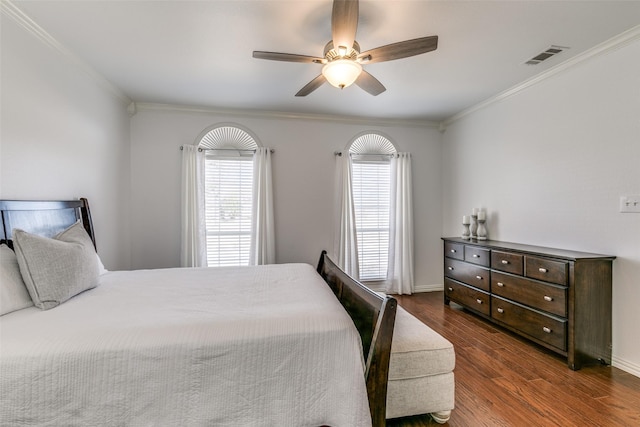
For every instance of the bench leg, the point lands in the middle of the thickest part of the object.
(441, 417)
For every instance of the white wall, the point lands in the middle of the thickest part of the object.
(303, 176)
(550, 163)
(63, 136)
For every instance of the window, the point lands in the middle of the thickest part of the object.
(371, 197)
(370, 154)
(228, 195)
(228, 205)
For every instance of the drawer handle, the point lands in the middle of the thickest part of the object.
(500, 310)
(548, 298)
(479, 277)
(504, 261)
(476, 256)
(542, 270)
(479, 301)
(500, 284)
(547, 330)
(453, 251)
(450, 289)
(450, 268)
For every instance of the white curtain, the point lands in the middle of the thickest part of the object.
(400, 270)
(193, 247)
(345, 244)
(263, 247)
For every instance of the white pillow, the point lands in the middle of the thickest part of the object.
(101, 269)
(59, 268)
(13, 292)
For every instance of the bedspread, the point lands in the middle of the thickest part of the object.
(248, 346)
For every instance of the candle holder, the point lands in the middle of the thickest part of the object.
(482, 230)
(466, 234)
(474, 226)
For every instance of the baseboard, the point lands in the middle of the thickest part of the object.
(626, 366)
(379, 287)
(428, 288)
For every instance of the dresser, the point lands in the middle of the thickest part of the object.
(557, 298)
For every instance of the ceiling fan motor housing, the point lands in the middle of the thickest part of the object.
(332, 53)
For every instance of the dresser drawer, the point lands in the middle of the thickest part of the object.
(507, 261)
(477, 255)
(548, 329)
(543, 296)
(468, 273)
(469, 297)
(454, 250)
(547, 270)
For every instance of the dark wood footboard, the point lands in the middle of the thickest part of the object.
(374, 317)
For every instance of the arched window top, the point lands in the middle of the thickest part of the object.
(372, 143)
(227, 136)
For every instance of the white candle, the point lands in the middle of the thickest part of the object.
(475, 211)
(482, 215)
(466, 219)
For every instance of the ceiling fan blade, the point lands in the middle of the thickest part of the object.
(312, 85)
(288, 57)
(400, 50)
(344, 22)
(370, 84)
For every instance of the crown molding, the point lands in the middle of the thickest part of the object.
(13, 12)
(604, 48)
(369, 121)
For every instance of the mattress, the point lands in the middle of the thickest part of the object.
(248, 346)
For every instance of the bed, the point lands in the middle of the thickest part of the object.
(267, 345)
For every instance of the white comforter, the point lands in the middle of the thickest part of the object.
(252, 346)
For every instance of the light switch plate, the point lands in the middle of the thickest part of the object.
(630, 203)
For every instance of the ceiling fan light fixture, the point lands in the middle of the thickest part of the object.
(341, 73)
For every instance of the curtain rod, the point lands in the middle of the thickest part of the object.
(339, 153)
(229, 149)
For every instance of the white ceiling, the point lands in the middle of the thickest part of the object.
(199, 53)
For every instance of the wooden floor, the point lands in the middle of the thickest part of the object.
(504, 380)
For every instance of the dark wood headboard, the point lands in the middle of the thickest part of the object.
(374, 317)
(45, 218)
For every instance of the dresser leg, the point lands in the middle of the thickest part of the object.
(573, 363)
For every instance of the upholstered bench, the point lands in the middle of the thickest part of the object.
(420, 371)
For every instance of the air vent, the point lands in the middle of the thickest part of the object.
(546, 54)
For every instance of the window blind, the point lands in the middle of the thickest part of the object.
(228, 199)
(371, 196)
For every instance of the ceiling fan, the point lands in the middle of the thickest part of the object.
(342, 61)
